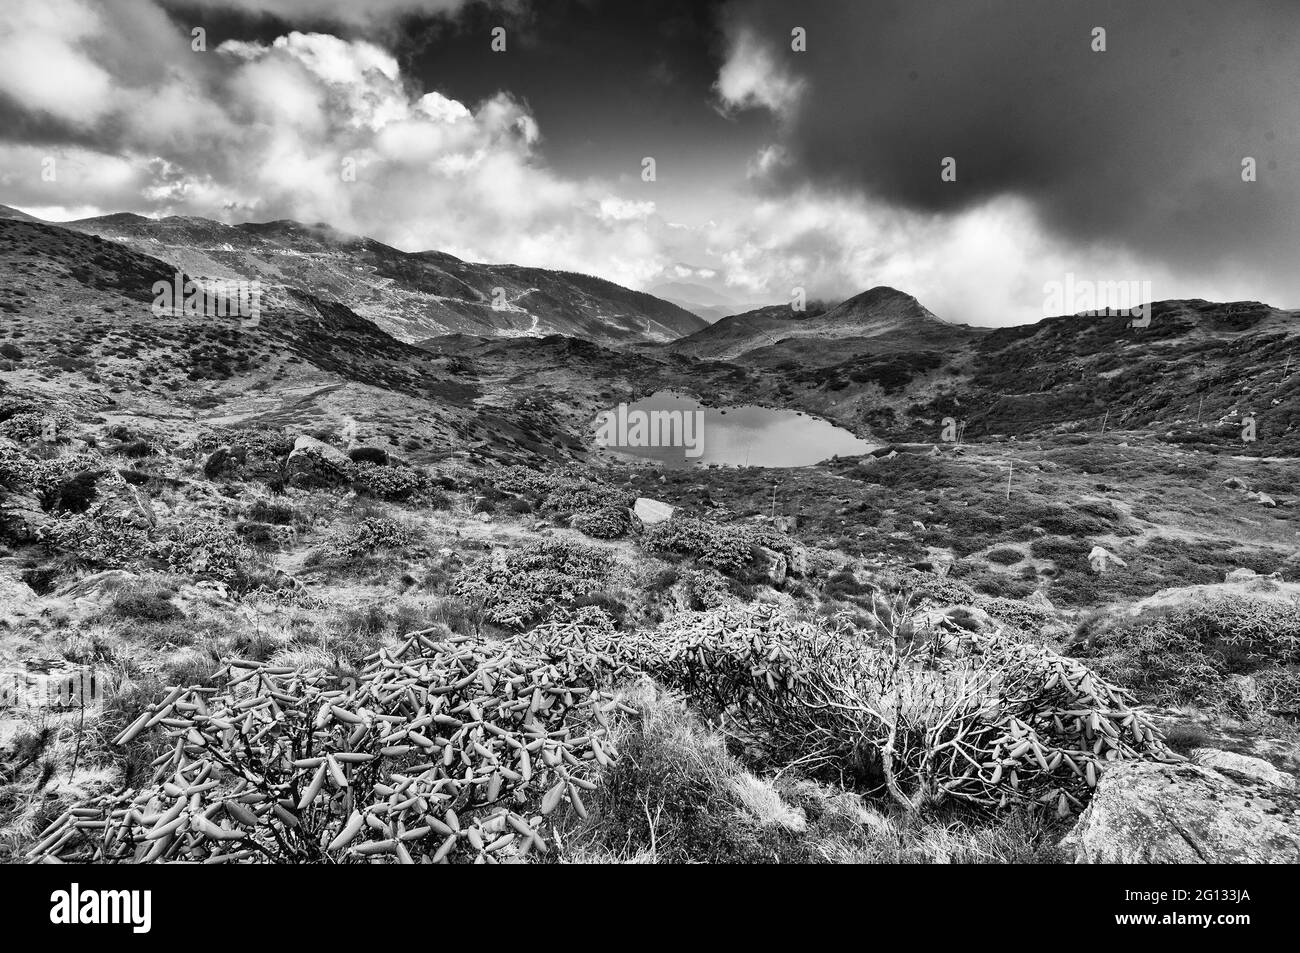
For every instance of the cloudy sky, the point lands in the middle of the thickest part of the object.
(774, 167)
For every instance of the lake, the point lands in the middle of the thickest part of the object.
(679, 431)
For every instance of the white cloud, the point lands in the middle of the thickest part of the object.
(254, 131)
(752, 77)
(43, 63)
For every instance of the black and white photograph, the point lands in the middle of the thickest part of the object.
(639, 432)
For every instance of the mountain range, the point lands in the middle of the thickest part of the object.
(447, 371)
(411, 295)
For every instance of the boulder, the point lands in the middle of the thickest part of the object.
(1263, 499)
(1102, 560)
(775, 565)
(1235, 483)
(650, 511)
(15, 595)
(1157, 813)
(1240, 575)
(314, 462)
(1241, 767)
(21, 517)
(798, 562)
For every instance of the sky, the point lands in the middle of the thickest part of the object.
(795, 144)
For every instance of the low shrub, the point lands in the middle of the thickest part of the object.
(440, 751)
(1191, 653)
(608, 522)
(518, 587)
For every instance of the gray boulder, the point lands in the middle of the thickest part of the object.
(775, 565)
(1155, 813)
(314, 462)
(1240, 766)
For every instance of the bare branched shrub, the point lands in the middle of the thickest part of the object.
(933, 715)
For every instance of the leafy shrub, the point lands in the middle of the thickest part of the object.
(313, 775)
(396, 483)
(608, 522)
(565, 490)
(71, 494)
(521, 586)
(727, 547)
(373, 455)
(705, 589)
(1004, 556)
(1025, 616)
(206, 548)
(94, 541)
(375, 533)
(1190, 653)
(989, 721)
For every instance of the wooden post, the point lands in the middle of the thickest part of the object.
(1010, 469)
(1103, 422)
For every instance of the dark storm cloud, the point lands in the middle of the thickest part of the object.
(1140, 145)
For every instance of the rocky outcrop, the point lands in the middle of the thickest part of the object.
(650, 511)
(1240, 766)
(1185, 813)
(21, 517)
(1102, 560)
(774, 564)
(314, 463)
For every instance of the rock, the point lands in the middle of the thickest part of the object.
(1039, 598)
(314, 462)
(1263, 499)
(124, 502)
(798, 562)
(1102, 559)
(96, 585)
(1153, 813)
(1240, 766)
(776, 565)
(21, 517)
(941, 560)
(1240, 575)
(650, 511)
(15, 596)
(1235, 483)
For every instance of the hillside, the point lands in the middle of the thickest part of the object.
(409, 295)
(880, 320)
(375, 522)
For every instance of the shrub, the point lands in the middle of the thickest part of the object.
(608, 522)
(705, 589)
(375, 533)
(145, 605)
(727, 547)
(314, 773)
(1004, 556)
(94, 541)
(373, 455)
(1190, 653)
(207, 549)
(989, 721)
(522, 586)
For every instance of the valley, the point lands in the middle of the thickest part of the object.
(385, 468)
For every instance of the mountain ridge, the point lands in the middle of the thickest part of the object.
(411, 295)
